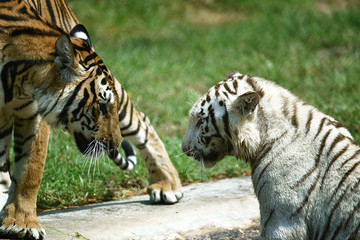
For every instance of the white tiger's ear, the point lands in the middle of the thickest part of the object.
(245, 104)
(65, 60)
(232, 73)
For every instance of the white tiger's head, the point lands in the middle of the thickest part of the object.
(222, 122)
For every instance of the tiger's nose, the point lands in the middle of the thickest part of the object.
(113, 145)
(185, 149)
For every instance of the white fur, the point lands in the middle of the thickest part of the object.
(306, 180)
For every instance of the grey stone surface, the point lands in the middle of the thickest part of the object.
(205, 207)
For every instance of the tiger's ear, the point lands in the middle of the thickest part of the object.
(79, 31)
(231, 74)
(245, 104)
(65, 59)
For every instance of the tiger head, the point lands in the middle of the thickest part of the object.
(87, 98)
(219, 120)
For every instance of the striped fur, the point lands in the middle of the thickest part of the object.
(47, 75)
(165, 185)
(56, 12)
(305, 165)
(61, 15)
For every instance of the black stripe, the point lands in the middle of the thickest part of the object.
(122, 114)
(285, 106)
(344, 178)
(133, 132)
(71, 99)
(34, 32)
(329, 219)
(338, 139)
(6, 132)
(24, 105)
(255, 87)
(213, 120)
(317, 160)
(308, 123)
(353, 213)
(19, 157)
(122, 96)
(354, 234)
(6, 166)
(257, 188)
(332, 161)
(217, 86)
(55, 104)
(23, 142)
(294, 120)
(262, 153)
(305, 201)
(225, 94)
(82, 103)
(143, 145)
(321, 126)
(235, 85)
(229, 90)
(31, 117)
(130, 120)
(10, 72)
(351, 158)
(11, 18)
(51, 11)
(90, 57)
(226, 123)
(269, 217)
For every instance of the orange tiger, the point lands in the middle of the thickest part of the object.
(165, 185)
(47, 74)
(51, 74)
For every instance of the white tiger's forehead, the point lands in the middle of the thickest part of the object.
(222, 93)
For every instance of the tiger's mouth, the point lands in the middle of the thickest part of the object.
(93, 147)
(208, 160)
(82, 142)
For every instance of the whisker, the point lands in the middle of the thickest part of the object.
(202, 169)
(182, 153)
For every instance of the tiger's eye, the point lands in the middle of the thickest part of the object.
(103, 81)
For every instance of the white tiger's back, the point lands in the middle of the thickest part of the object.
(305, 165)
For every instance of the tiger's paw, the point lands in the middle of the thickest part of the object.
(164, 192)
(21, 228)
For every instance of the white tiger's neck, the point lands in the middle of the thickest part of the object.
(278, 114)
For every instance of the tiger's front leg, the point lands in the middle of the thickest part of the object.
(5, 181)
(165, 185)
(30, 147)
(164, 178)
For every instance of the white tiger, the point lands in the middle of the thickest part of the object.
(305, 165)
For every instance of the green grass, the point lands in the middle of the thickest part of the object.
(168, 53)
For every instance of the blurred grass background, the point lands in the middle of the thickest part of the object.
(168, 53)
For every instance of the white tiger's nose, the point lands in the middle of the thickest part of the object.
(185, 148)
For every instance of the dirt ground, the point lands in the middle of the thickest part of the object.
(251, 232)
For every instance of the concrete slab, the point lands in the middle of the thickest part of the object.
(205, 207)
